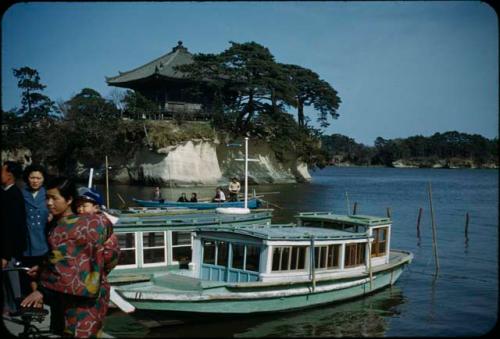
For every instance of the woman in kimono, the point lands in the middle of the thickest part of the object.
(74, 278)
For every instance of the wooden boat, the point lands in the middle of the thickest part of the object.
(154, 241)
(258, 268)
(251, 203)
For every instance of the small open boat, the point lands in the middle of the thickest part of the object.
(251, 203)
(256, 268)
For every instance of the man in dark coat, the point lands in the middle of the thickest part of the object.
(13, 225)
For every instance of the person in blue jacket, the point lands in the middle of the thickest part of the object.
(37, 217)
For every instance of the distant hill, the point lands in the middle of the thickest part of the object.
(442, 150)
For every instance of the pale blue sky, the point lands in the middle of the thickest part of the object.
(401, 68)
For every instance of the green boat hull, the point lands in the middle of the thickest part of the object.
(283, 303)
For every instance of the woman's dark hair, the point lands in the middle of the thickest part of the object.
(66, 187)
(33, 168)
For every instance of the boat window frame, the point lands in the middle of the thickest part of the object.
(230, 253)
(375, 245)
(172, 246)
(289, 260)
(337, 248)
(165, 252)
(357, 255)
(135, 248)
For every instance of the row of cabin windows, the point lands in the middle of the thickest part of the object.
(244, 257)
(292, 258)
(153, 247)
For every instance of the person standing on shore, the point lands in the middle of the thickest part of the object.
(73, 277)
(13, 224)
(37, 217)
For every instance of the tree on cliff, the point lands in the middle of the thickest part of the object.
(35, 106)
(310, 90)
(91, 128)
(33, 121)
(246, 80)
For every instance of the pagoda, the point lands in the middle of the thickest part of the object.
(162, 84)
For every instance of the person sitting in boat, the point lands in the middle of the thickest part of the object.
(183, 198)
(219, 195)
(234, 189)
(194, 197)
(157, 194)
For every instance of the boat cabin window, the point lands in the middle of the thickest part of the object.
(221, 253)
(245, 257)
(181, 248)
(326, 256)
(126, 242)
(153, 245)
(252, 258)
(287, 258)
(379, 244)
(354, 254)
(209, 252)
(238, 256)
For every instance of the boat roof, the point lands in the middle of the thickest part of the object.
(284, 232)
(364, 220)
(196, 218)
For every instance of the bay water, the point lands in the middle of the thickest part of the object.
(461, 299)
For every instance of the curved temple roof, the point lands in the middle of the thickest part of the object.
(163, 66)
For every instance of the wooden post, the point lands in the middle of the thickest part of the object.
(370, 269)
(313, 267)
(389, 212)
(434, 240)
(347, 200)
(107, 184)
(420, 210)
(466, 226)
(355, 208)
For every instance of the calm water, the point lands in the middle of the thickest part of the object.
(461, 301)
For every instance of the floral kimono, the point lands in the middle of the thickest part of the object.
(83, 251)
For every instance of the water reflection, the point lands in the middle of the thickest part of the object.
(361, 317)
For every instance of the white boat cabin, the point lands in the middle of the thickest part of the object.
(272, 253)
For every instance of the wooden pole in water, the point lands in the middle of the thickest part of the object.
(347, 200)
(388, 212)
(355, 208)
(434, 240)
(107, 184)
(466, 226)
(420, 210)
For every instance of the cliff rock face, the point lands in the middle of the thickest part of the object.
(201, 162)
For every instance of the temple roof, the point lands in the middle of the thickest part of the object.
(163, 66)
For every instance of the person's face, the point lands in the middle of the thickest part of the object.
(5, 175)
(86, 207)
(35, 180)
(58, 206)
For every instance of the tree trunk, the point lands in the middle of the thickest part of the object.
(300, 113)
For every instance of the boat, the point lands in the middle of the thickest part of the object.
(155, 241)
(243, 269)
(251, 203)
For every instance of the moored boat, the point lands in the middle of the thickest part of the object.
(257, 268)
(251, 203)
(153, 242)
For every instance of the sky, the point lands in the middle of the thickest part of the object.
(401, 68)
